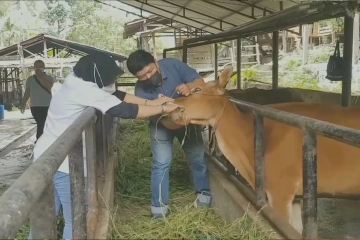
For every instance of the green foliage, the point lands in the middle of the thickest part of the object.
(293, 64)
(56, 15)
(319, 58)
(337, 24)
(9, 32)
(304, 80)
(250, 73)
(104, 33)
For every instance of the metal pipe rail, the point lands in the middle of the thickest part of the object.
(301, 14)
(310, 127)
(32, 193)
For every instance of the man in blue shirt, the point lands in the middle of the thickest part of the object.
(172, 78)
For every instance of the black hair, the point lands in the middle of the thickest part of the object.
(138, 60)
(107, 67)
(39, 61)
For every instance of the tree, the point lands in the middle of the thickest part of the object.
(55, 15)
(62, 15)
(9, 33)
(104, 33)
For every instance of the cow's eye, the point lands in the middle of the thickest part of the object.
(197, 89)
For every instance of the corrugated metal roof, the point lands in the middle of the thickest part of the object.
(213, 16)
(36, 45)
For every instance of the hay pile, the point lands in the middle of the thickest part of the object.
(132, 219)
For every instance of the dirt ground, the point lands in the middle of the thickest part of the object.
(15, 163)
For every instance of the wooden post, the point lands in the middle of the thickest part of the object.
(284, 41)
(99, 144)
(92, 187)
(356, 39)
(42, 216)
(305, 43)
(77, 189)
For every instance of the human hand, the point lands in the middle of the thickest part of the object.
(169, 107)
(183, 89)
(160, 101)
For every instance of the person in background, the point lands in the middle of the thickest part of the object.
(38, 89)
(172, 78)
(92, 84)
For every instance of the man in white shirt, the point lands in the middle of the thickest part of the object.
(38, 89)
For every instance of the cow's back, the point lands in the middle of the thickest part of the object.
(263, 97)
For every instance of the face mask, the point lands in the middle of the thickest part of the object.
(154, 80)
(41, 69)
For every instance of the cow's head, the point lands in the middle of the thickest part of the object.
(205, 102)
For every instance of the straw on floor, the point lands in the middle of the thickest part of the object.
(132, 219)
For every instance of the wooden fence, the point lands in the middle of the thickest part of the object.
(32, 194)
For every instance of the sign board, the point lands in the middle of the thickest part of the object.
(9, 58)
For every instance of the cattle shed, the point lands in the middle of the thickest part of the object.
(208, 24)
(297, 15)
(58, 54)
(220, 21)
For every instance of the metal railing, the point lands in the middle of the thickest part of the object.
(311, 128)
(32, 194)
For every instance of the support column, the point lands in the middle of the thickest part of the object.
(238, 63)
(45, 49)
(356, 39)
(153, 43)
(216, 61)
(275, 60)
(305, 43)
(348, 57)
(284, 41)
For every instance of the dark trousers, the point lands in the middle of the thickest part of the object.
(39, 114)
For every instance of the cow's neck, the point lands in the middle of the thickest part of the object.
(235, 137)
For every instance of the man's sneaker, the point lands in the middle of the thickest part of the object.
(160, 213)
(203, 200)
(160, 216)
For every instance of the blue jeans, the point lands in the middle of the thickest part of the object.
(62, 200)
(162, 147)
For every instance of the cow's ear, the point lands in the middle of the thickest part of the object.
(225, 77)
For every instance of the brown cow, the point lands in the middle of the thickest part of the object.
(338, 163)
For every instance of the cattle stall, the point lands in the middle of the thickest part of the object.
(10, 87)
(273, 23)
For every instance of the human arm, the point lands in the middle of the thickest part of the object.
(46, 81)
(190, 78)
(26, 96)
(134, 111)
(139, 92)
(112, 105)
(129, 98)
